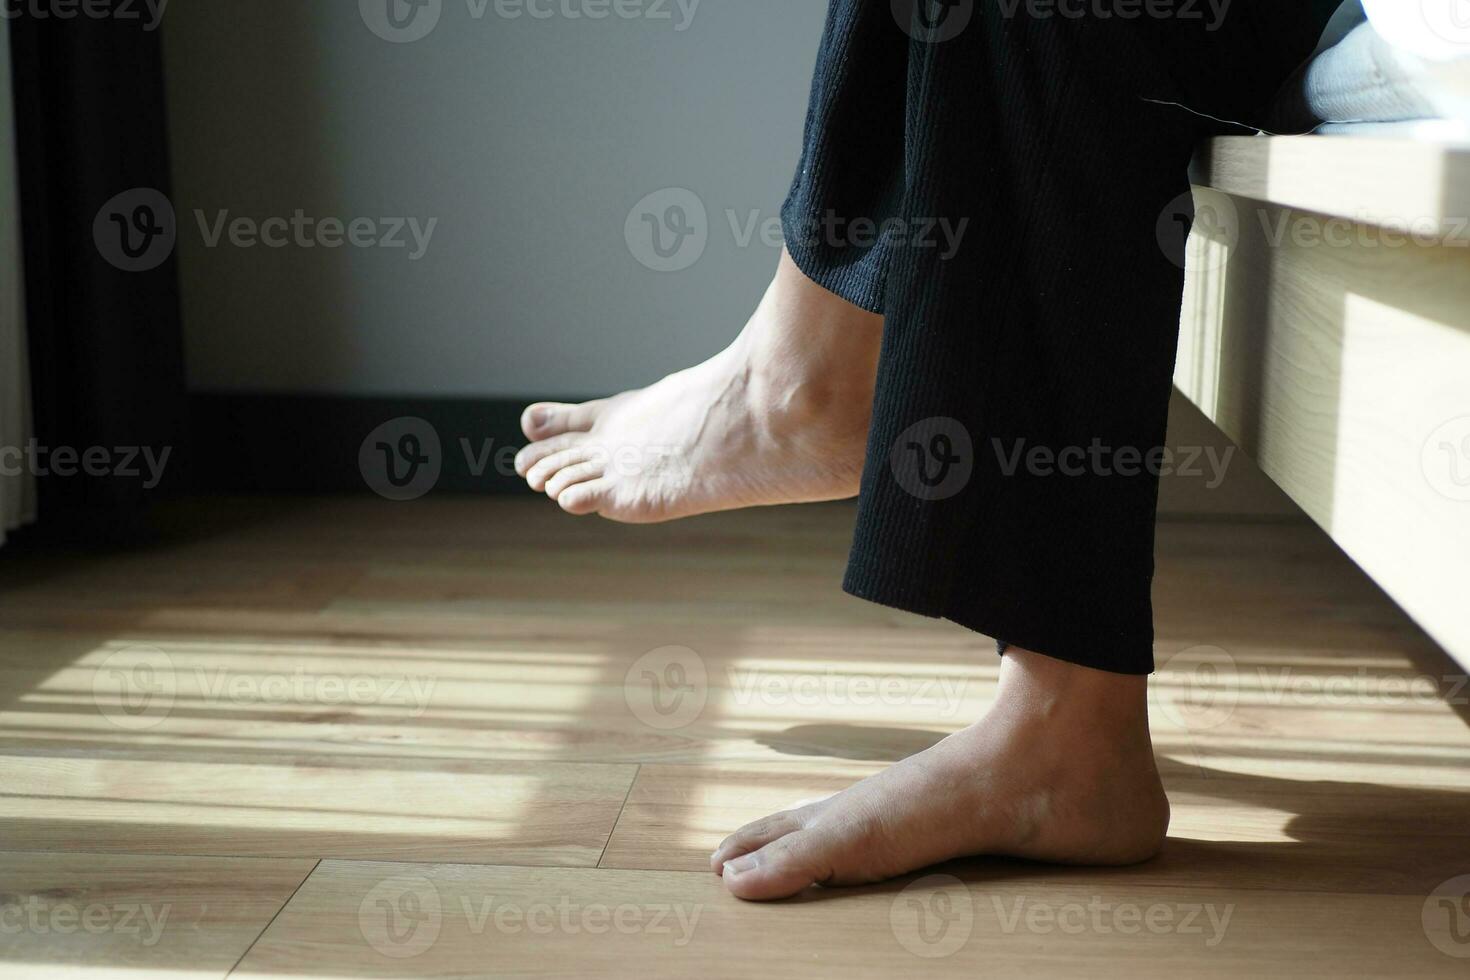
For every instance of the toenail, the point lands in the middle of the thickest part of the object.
(542, 416)
(741, 865)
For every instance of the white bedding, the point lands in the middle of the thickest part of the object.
(1410, 61)
(1435, 30)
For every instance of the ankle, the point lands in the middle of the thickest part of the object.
(810, 355)
(1101, 708)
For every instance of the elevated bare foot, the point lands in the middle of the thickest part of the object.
(1061, 769)
(780, 416)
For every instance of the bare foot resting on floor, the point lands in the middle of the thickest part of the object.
(1061, 769)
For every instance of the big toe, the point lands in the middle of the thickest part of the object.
(785, 867)
(753, 836)
(546, 419)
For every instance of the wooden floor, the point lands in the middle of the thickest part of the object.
(460, 738)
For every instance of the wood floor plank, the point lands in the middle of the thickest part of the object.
(469, 685)
(569, 699)
(511, 812)
(394, 920)
(109, 915)
(763, 694)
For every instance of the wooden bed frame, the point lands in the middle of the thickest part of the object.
(1326, 330)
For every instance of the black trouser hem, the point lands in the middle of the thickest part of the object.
(1085, 645)
(856, 283)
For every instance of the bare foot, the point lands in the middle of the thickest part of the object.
(1061, 769)
(780, 416)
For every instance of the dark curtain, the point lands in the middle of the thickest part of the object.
(103, 313)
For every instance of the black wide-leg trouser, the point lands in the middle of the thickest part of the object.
(1006, 181)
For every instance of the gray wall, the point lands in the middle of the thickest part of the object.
(529, 140)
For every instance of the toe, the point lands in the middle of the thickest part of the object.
(547, 469)
(546, 419)
(585, 498)
(570, 476)
(787, 866)
(753, 836)
(530, 455)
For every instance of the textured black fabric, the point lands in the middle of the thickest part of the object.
(1054, 323)
(106, 345)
